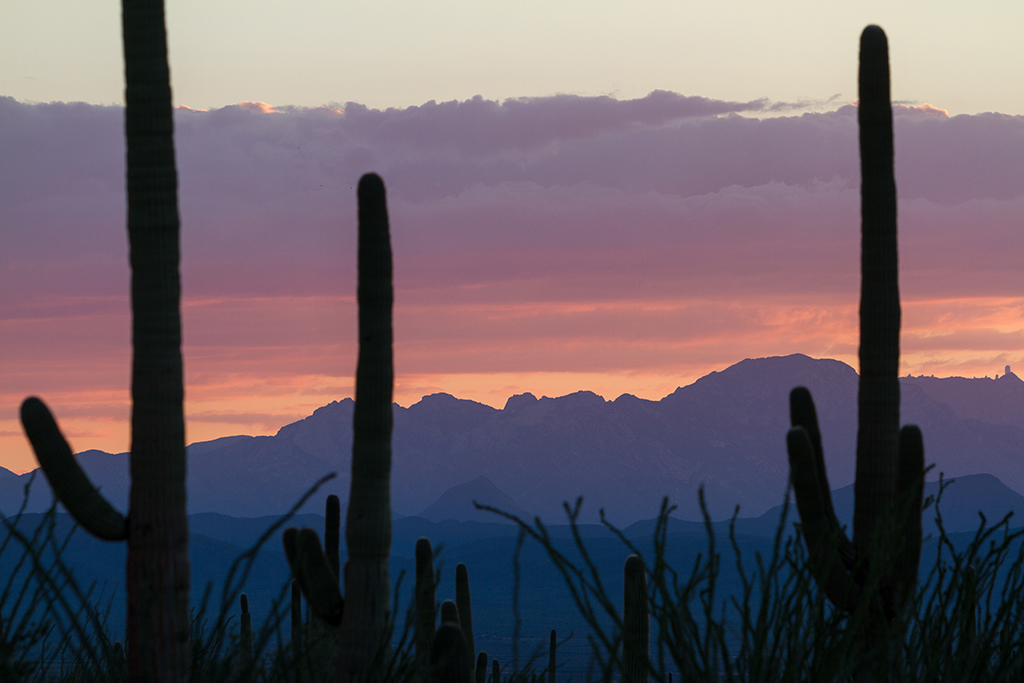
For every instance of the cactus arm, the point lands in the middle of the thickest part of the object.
(481, 668)
(449, 612)
(495, 671)
(332, 535)
(426, 600)
(819, 531)
(368, 521)
(67, 479)
(465, 607)
(910, 497)
(448, 663)
(879, 393)
(803, 414)
(313, 575)
(636, 623)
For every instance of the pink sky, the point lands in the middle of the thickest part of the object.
(545, 244)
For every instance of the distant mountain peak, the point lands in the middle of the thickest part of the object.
(579, 398)
(519, 401)
(457, 503)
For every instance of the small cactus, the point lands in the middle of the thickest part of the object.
(636, 623)
(313, 574)
(465, 608)
(495, 671)
(426, 600)
(481, 668)
(245, 630)
(448, 662)
(332, 535)
(450, 613)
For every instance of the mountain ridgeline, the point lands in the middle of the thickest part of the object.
(725, 431)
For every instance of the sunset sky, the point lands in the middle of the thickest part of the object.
(582, 196)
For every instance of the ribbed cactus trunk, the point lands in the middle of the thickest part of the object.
(157, 572)
(245, 632)
(465, 605)
(157, 569)
(368, 522)
(878, 401)
(636, 622)
(426, 601)
(873, 576)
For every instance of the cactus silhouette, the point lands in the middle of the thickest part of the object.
(481, 668)
(495, 671)
(157, 569)
(450, 613)
(874, 574)
(245, 631)
(313, 577)
(426, 601)
(465, 608)
(636, 623)
(448, 662)
(363, 617)
(332, 535)
(368, 521)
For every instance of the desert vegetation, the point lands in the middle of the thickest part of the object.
(818, 607)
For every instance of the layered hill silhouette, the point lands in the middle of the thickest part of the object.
(726, 431)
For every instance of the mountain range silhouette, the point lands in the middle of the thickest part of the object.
(726, 431)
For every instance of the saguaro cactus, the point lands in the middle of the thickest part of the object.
(426, 600)
(481, 668)
(332, 535)
(157, 569)
(363, 617)
(368, 522)
(465, 608)
(448, 662)
(876, 573)
(245, 631)
(636, 622)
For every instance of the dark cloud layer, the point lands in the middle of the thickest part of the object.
(565, 173)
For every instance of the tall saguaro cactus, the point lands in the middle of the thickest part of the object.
(364, 615)
(875, 574)
(156, 528)
(368, 522)
(636, 622)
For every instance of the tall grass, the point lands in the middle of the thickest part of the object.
(966, 622)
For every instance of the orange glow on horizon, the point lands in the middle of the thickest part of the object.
(249, 378)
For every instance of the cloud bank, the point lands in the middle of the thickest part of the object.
(541, 244)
